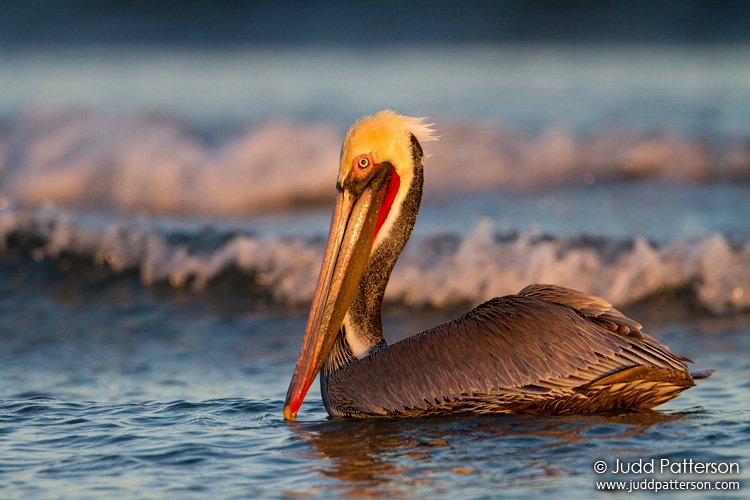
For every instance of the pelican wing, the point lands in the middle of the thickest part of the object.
(597, 310)
(520, 344)
(593, 307)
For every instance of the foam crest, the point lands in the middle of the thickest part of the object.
(499, 156)
(133, 164)
(147, 163)
(437, 270)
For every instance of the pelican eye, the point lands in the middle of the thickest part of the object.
(363, 162)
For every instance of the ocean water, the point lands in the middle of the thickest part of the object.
(163, 216)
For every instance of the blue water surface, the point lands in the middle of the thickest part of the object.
(110, 389)
(113, 388)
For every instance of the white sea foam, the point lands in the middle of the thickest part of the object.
(158, 165)
(437, 270)
(82, 159)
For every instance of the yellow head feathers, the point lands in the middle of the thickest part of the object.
(386, 136)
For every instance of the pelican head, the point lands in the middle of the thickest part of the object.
(380, 170)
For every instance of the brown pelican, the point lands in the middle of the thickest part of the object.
(547, 350)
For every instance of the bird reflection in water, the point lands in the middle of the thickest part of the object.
(379, 456)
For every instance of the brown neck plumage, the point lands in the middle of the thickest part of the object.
(362, 332)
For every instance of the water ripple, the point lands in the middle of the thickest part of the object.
(239, 446)
(78, 422)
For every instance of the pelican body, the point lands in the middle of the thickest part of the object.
(546, 350)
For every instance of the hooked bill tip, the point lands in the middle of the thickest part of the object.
(289, 414)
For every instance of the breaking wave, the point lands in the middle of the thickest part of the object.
(438, 270)
(80, 159)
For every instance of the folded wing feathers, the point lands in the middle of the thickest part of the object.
(545, 337)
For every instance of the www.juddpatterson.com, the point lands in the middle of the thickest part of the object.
(666, 466)
(673, 484)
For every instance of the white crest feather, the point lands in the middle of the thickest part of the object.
(421, 130)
